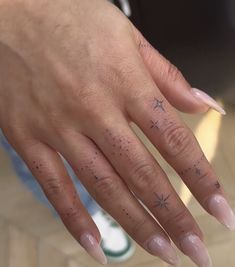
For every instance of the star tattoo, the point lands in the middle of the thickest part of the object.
(158, 104)
(154, 124)
(161, 201)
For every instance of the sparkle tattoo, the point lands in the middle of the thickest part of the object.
(158, 104)
(154, 125)
(161, 202)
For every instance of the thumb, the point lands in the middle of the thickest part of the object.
(172, 83)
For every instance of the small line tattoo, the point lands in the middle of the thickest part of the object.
(161, 201)
(154, 124)
(158, 104)
(198, 171)
(217, 185)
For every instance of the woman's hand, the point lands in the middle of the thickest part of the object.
(73, 75)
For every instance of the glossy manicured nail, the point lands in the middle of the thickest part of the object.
(161, 247)
(194, 248)
(219, 208)
(93, 248)
(206, 99)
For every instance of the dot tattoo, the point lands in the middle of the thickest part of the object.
(119, 144)
(162, 202)
(126, 212)
(37, 166)
(197, 170)
(154, 125)
(158, 104)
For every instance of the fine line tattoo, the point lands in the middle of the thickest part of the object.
(154, 124)
(161, 201)
(158, 104)
(217, 185)
(198, 171)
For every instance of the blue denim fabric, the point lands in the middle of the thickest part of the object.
(31, 183)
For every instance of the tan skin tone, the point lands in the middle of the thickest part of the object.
(72, 78)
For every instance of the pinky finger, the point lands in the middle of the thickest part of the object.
(48, 168)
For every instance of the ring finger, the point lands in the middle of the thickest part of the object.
(149, 183)
(105, 185)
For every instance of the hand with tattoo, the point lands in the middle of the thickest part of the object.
(73, 76)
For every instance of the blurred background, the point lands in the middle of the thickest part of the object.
(199, 38)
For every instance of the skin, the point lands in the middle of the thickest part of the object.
(72, 78)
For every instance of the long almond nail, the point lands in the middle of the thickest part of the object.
(206, 99)
(93, 248)
(161, 247)
(219, 208)
(194, 248)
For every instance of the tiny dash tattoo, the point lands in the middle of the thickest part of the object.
(161, 201)
(154, 125)
(158, 104)
(217, 185)
(198, 171)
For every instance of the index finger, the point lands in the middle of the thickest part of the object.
(178, 145)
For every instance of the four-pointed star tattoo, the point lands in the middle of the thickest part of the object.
(158, 104)
(154, 124)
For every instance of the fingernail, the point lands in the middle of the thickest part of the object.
(93, 248)
(206, 99)
(161, 247)
(219, 208)
(194, 248)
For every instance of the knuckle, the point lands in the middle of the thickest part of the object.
(105, 186)
(52, 187)
(177, 218)
(119, 73)
(142, 175)
(177, 140)
(85, 94)
(71, 214)
(138, 227)
(171, 73)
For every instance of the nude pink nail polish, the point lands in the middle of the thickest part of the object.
(90, 244)
(161, 247)
(195, 249)
(206, 99)
(219, 208)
